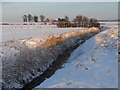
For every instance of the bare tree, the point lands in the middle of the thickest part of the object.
(24, 18)
(78, 18)
(30, 17)
(94, 23)
(81, 21)
(42, 17)
(59, 19)
(35, 18)
(85, 21)
(66, 18)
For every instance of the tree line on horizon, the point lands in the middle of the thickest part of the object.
(30, 18)
(78, 21)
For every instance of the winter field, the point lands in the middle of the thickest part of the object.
(92, 65)
(17, 32)
(27, 51)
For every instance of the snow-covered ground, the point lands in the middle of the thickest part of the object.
(17, 32)
(109, 23)
(24, 60)
(92, 65)
(22, 54)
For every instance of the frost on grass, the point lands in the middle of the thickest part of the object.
(24, 60)
(94, 64)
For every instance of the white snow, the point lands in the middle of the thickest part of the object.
(17, 32)
(28, 51)
(23, 60)
(109, 23)
(92, 65)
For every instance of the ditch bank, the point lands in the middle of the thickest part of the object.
(27, 63)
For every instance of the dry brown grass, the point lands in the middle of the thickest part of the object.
(53, 40)
(8, 42)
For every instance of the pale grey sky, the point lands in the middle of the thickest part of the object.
(13, 11)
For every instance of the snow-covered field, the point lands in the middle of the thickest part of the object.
(92, 65)
(109, 23)
(17, 32)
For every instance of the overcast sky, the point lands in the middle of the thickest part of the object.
(13, 11)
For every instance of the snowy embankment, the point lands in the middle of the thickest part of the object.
(92, 65)
(24, 60)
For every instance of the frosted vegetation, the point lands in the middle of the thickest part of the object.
(23, 60)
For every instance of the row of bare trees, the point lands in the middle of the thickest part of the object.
(30, 18)
(79, 21)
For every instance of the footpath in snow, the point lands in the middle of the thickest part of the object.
(94, 64)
